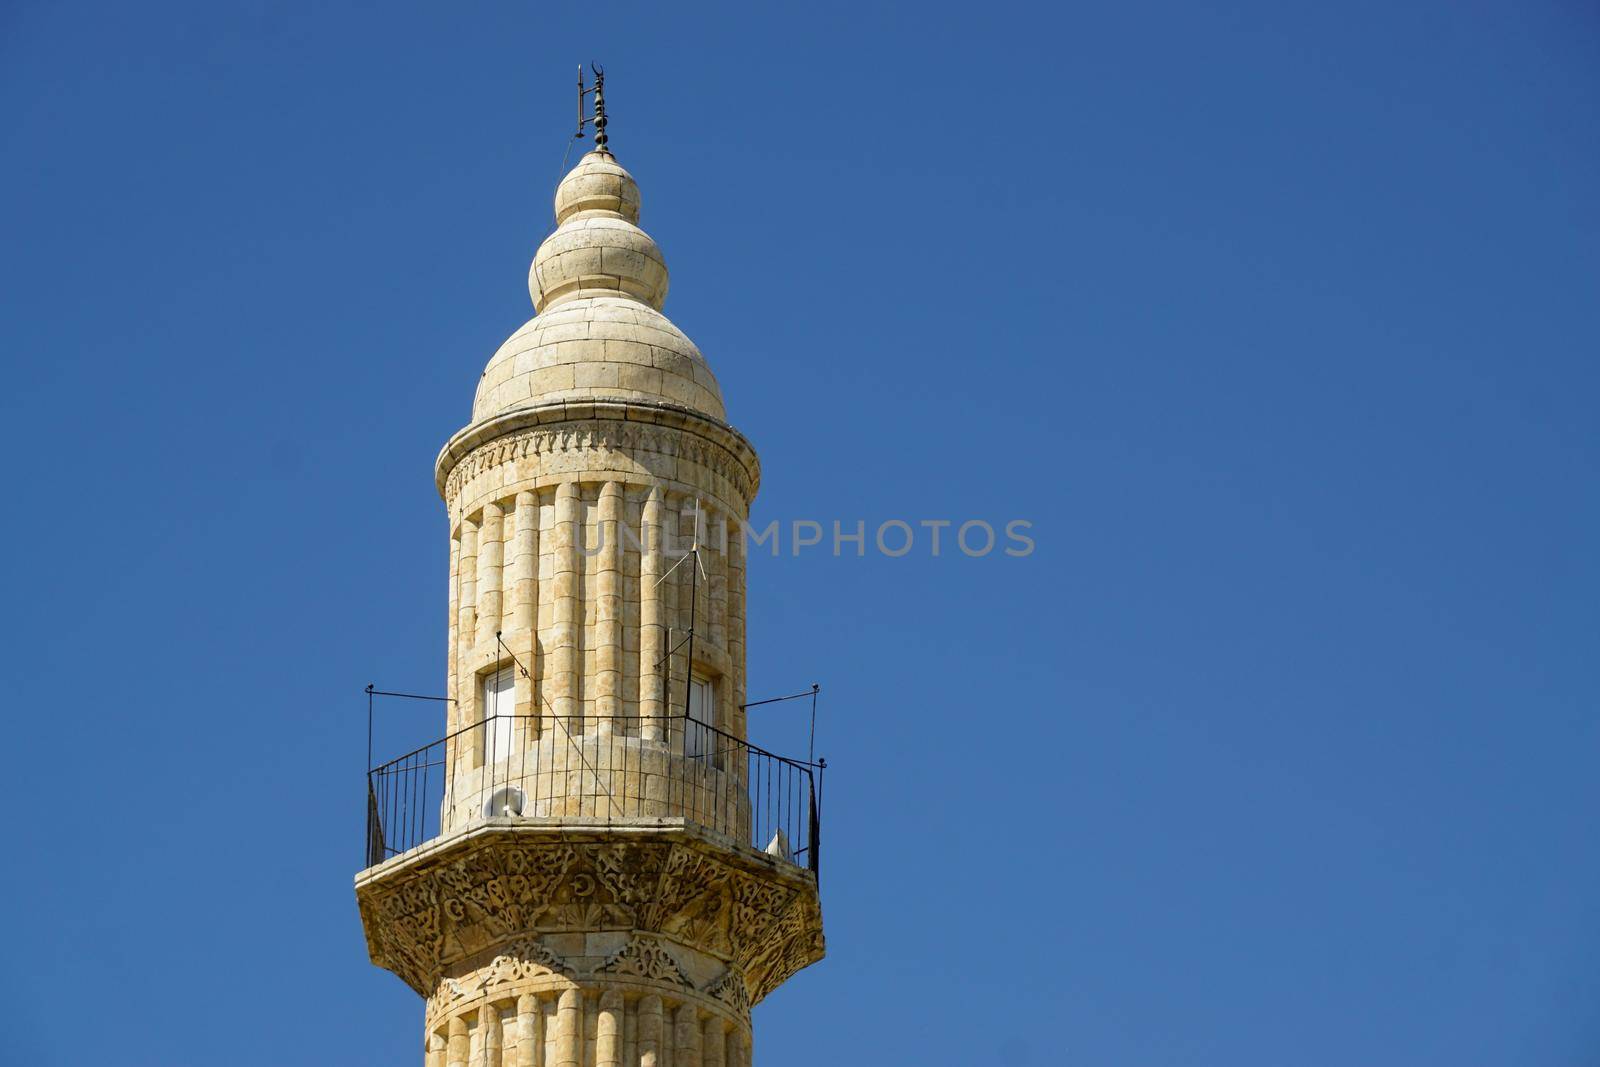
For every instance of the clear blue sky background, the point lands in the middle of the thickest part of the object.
(1279, 323)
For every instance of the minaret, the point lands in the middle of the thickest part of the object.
(593, 868)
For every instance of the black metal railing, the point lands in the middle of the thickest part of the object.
(539, 767)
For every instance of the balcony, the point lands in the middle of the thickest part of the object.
(570, 771)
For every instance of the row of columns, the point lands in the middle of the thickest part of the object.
(651, 1035)
(494, 587)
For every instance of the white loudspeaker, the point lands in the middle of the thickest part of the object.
(507, 800)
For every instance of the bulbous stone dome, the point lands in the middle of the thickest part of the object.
(597, 183)
(599, 282)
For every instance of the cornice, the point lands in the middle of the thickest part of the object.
(536, 429)
(465, 894)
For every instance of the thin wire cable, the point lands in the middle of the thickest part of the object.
(408, 696)
(577, 747)
(774, 700)
(671, 652)
(562, 173)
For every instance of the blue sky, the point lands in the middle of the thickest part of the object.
(1277, 321)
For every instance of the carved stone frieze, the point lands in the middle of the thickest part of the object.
(491, 889)
(731, 990)
(692, 902)
(512, 963)
(631, 438)
(792, 942)
(646, 957)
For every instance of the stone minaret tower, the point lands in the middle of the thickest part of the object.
(593, 868)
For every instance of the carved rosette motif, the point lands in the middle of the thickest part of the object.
(498, 888)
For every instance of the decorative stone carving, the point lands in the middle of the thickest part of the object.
(756, 904)
(483, 888)
(633, 438)
(730, 989)
(646, 957)
(513, 963)
(692, 902)
(628, 872)
(793, 942)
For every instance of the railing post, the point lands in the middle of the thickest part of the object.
(816, 821)
(374, 827)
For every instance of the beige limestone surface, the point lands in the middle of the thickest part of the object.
(619, 917)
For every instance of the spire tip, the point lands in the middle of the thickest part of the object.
(597, 118)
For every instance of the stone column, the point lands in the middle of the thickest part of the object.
(468, 601)
(520, 617)
(458, 1047)
(436, 1049)
(493, 1042)
(608, 1031)
(713, 1043)
(491, 560)
(608, 610)
(569, 1029)
(650, 1031)
(686, 1037)
(716, 581)
(736, 640)
(568, 578)
(650, 619)
(466, 627)
(530, 1045)
(453, 638)
(524, 564)
(672, 617)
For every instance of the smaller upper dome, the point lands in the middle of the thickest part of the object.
(596, 249)
(599, 254)
(597, 183)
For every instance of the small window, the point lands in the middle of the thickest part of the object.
(499, 707)
(698, 739)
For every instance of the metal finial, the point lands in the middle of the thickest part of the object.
(598, 119)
